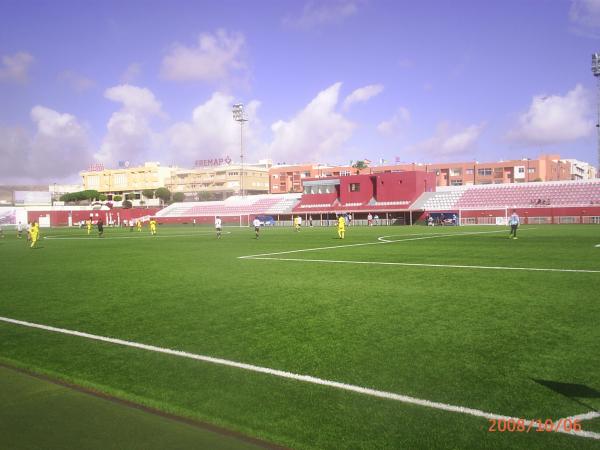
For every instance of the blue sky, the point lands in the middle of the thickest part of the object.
(322, 81)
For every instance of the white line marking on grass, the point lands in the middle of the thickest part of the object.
(380, 242)
(292, 376)
(145, 236)
(429, 236)
(586, 416)
(597, 245)
(466, 233)
(450, 266)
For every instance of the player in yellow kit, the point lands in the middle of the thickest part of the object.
(341, 227)
(89, 225)
(138, 224)
(152, 226)
(34, 232)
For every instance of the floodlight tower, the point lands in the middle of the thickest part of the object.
(596, 72)
(240, 116)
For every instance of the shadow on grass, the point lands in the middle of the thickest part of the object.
(571, 390)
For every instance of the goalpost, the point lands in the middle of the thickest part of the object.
(487, 216)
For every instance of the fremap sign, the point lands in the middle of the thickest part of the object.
(212, 162)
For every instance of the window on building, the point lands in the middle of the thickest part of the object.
(455, 172)
(345, 173)
(468, 171)
(120, 179)
(486, 172)
(457, 182)
(354, 187)
(520, 169)
(531, 170)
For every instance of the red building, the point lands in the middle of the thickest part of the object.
(380, 193)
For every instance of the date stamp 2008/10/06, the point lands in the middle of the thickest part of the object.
(538, 425)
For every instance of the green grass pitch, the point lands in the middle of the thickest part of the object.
(520, 343)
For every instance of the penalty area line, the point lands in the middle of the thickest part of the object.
(427, 236)
(380, 241)
(449, 266)
(293, 376)
(582, 417)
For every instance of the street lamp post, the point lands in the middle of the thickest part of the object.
(596, 72)
(239, 116)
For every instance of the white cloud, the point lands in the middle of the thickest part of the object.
(129, 135)
(363, 94)
(448, 141)
(16, 67)
(555, 119)
(78, 82)
(584, 16)
(217, 56)
(316, 13)
(59, 148)
(132, 72)
(134, 99)
(212, 132)
(15, 148)
(396, 123)
(316, 133)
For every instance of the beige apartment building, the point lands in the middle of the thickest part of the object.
(545, 168)
(127, 180)
(220, 182)
(216, 181)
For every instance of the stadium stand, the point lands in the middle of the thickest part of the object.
(442, 200)
(285, 206)
(317, 202)
(525, 195)
(234, 206)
